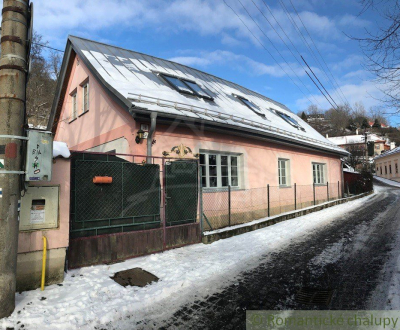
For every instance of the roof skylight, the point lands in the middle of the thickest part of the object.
(185, 86)
(197, 88)
(250, 105)
(289, 120)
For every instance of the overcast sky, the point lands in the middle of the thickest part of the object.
(209, 36)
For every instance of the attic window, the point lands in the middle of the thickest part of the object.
(250, 105)
(289, 120)
(185, 86)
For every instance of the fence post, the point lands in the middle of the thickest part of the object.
(314, 192)
(295, 200)
(201, 210)
(229, 205)
(327, 190)
(268, 199)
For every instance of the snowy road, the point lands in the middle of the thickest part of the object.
(356, 256)
(351, 248)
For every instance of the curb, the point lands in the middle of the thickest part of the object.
(207, 239)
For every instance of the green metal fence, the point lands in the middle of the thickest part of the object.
(181, 187)
(131, 202)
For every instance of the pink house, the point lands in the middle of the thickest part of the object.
(112, 100)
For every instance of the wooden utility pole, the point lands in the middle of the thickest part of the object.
(13, 70)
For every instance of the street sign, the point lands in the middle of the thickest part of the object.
(39, 156)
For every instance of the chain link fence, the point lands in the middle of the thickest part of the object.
(142, 192)
(228, 207)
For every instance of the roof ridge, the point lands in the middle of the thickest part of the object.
(186, 66)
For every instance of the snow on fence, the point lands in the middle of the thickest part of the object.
(228, 207)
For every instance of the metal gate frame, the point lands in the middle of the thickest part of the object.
(167, 239)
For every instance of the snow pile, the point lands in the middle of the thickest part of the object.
(89, 298)
(387, 181)
(60, 149)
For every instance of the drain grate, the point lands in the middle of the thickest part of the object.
(311, 296)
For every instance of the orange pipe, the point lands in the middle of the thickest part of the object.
(102, 179)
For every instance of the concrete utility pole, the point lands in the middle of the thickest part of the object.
(13, 69)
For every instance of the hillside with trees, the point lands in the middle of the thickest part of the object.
(347, 119)
(44, 70)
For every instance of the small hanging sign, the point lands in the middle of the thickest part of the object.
(1, 163)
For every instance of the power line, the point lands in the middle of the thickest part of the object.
(318, 81)
(319, 89)
(266, 49)
(41, 45)
(290, 40)
(312, 40)
(306, 42)
(287, 45)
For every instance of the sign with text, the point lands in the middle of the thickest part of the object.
(39, 158)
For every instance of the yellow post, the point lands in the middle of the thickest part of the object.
(44, 261)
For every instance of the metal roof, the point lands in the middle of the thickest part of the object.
(135, 79)
(388, 153)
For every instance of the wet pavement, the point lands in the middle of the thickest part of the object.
(348, 257)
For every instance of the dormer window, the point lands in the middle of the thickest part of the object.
(185, 86)
(250, 105)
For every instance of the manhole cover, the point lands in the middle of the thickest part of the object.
(134, 277)
(310, 296)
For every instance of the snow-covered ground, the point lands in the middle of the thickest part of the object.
(387, 181)
(88, 296)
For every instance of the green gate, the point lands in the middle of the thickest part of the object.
(181, 187)
(131, 202)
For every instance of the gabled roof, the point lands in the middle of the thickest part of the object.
(135, 80)
(388, 153)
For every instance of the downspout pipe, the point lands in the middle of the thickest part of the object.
(153, 119)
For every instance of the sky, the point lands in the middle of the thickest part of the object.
(255, 43)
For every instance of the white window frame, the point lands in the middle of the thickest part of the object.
(85, 109)
(284, 179)
(319, 173)
(74, 110)
(219, 167)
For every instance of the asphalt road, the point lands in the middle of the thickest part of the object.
(350, 257)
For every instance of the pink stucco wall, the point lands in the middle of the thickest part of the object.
(107, 121)
(58, 237)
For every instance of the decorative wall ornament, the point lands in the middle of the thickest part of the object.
(180, 151)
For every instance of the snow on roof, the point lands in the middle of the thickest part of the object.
(388, 153)
(60, 149)
(136, 77)
(354, 139)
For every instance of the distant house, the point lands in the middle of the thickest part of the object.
(371, 123)
(318, 117)
(387, 164)
(106, 94)
(356, 143)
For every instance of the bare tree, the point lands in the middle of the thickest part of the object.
(42, 82)
(377, 113)
(382, 48)
(339, 118)
(357, 155)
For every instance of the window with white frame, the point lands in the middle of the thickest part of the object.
(284, 172)
(319, 173)
(73, 106)
(85, 97)
(219, 170)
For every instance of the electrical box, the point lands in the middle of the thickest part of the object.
(39, 156)
(39, 208)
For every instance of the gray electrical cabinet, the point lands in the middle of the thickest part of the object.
(39, 156)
